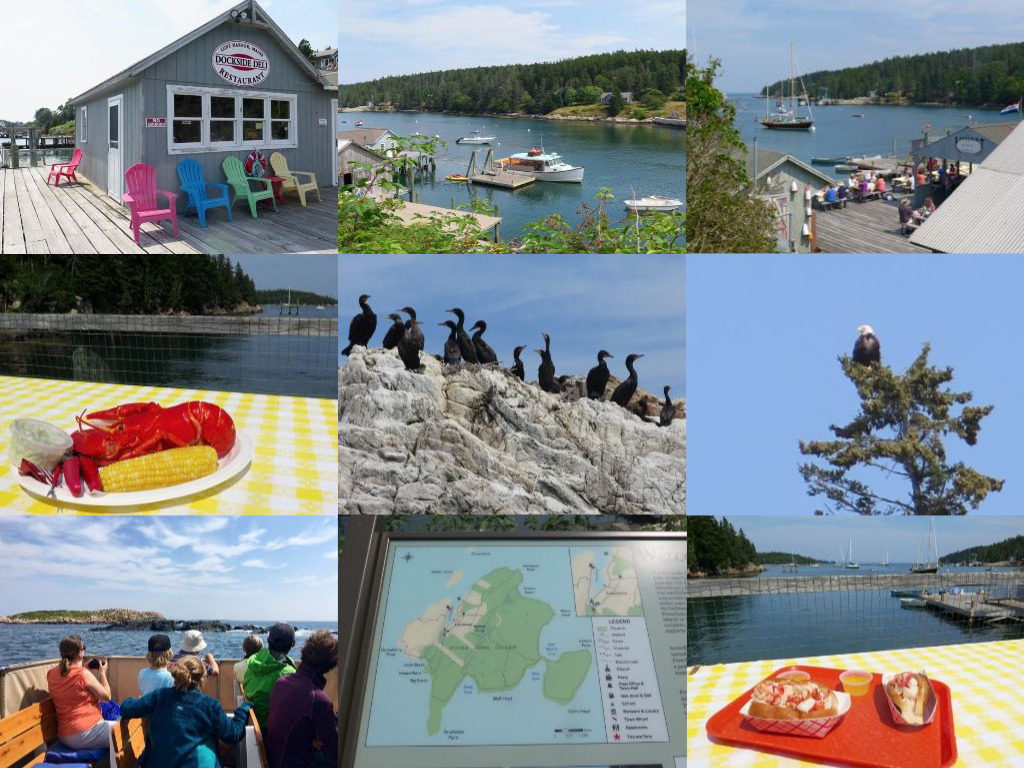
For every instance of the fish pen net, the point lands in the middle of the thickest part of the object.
(747, 619)
(294, 356)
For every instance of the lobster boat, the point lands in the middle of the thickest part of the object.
(653, 203)
(475, 138)
(543, 166)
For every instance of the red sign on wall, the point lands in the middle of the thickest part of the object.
(241, 63)
(156, 122)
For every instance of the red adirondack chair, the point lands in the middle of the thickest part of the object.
(67, 170)
(141, 198)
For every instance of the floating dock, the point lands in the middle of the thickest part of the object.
(495, 176)
(976, 607)
(892, 581)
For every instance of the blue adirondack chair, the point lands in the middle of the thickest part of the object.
(193, 182)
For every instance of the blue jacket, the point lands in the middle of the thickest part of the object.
(180, 722)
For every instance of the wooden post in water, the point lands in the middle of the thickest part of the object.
(32, 141)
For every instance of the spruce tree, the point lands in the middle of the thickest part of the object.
(900, 431)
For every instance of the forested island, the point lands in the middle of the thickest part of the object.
(784, 558)
(282, 295)
(991, 75)
(1007, 551)
(148, 284)
(718, 549)
(653, 78)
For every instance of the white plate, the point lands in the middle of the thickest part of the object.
(233, 464)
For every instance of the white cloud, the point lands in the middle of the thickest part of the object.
(258, 563)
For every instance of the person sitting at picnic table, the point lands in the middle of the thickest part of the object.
(77, 693)
(159, 656)
(929, 206)
(184, 723)
(906, 217)
(919, 177)
(841, 194)
(830, 195)
(880, 185)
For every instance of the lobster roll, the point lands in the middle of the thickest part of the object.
(793, 700)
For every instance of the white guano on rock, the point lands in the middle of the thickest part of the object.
(475, 439)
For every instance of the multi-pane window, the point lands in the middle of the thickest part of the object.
(220, 120)
(83, 126)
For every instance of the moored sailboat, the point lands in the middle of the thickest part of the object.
(931, 563)
(788, 119)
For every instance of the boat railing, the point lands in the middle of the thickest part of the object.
(22, 685)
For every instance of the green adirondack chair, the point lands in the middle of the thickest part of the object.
(235, 172)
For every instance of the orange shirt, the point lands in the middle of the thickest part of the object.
(78, 708)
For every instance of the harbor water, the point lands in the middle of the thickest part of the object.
(838, 134)
(634, 160)
(20, 643)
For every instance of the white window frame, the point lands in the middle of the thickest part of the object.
(83, 126)
(206, 145)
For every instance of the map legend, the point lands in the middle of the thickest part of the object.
(629, 684)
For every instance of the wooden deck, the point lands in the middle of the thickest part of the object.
(920, 582)
(871, 227)
(79, 218)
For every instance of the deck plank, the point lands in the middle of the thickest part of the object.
(13, 239)
(56, 241)
(72, 235)
(871, 227)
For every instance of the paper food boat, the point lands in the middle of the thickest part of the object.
(814, 727)
(897, 716)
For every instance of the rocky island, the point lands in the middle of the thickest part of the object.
(125, 619)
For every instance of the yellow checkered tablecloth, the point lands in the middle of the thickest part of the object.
(295, 442)
(984, 681)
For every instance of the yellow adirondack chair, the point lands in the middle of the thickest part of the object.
(291, 178)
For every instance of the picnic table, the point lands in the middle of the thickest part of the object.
(294, 469)
(983, 678)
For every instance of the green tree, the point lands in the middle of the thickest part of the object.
(900, 432)
(723, 215)
(616, 105)
(43, 119)
(307, 50)
(652, 98)
(589, 94)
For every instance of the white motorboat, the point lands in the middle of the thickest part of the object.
(653, 203)
(475, 138)
(543, 166)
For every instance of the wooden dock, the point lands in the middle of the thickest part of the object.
(78, 218)
(505, 179)
(975, 607)
(17, 325)
(871, 227)
(412, 213)
(730, 587)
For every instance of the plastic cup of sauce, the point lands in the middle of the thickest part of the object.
(794, 675)
(856, 681)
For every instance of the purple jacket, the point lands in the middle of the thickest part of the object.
(300, 712)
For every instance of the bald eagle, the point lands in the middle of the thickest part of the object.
(867, 350)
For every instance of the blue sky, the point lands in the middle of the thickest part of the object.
(105, 37)
(621, 304)
(765, 335)
(873, 537)
(310, 272)
(752, 37)
(408, 36)
(260, 568)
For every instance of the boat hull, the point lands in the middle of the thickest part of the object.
(572, 175)
(653, 204)
(484, 140)
(925, 569)
(787, 125)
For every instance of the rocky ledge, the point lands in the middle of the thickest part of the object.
(476, 439)
(174, 625)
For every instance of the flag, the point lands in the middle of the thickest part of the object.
(1012, 108)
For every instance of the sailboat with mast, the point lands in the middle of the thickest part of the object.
(849, 560)
(787, 119)
(931, 563)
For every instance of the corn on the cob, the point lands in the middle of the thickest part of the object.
(160, 469)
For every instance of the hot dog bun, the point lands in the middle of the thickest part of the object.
(788, 700)
(911, 693)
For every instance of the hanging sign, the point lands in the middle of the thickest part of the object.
(967, 145)
(241, 63)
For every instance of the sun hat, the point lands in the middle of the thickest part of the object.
(159, 643)
(193, 642)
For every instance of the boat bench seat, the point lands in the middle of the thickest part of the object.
(28, 733)
(127, 740)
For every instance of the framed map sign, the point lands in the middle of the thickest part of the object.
(525, 651)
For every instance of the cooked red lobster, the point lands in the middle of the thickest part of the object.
(134, 429)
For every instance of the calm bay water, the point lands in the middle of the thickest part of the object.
(836, 133)
(31, 642)
(747, 627)
(645, 159)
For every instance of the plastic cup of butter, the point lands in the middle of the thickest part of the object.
(856, 681)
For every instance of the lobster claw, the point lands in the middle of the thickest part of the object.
(123, 411)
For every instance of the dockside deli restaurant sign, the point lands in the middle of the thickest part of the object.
(241, 63)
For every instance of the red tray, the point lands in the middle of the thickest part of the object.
(866, 737)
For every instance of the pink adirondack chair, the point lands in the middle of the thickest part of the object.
(141, 198)
(67, 170)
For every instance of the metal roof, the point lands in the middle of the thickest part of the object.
(768, 160)
(264, 21)
(985, 139)
(983, 214)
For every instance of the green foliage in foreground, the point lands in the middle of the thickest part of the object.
(724, 216)
(900, 432)
(369, 225)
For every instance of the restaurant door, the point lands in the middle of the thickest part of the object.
(115, 151)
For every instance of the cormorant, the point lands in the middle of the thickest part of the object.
(465, 343)
(484, 353)
(641, 410)
(362, 326)
(546, 371)
(867, 349)
(624, 392)
(517, 367)
(452, 356)
(668, 410)
(597, 379)
(395, 332)
(417, 334)
(411, 344)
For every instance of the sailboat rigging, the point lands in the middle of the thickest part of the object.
(931, 563)
(787, 119)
